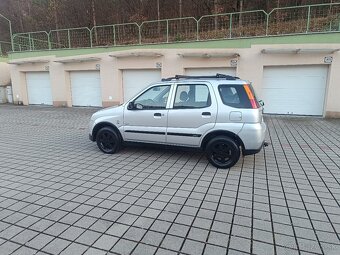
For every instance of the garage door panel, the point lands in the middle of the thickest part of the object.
(136, 80)
(295, 89)
(302, 82)
(39, 88)
(210, 71)
(285, 104)
(86, 89)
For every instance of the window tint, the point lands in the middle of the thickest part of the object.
(234, 96)
(154, 98)
(192, 96)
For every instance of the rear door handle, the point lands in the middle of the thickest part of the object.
(206, 113)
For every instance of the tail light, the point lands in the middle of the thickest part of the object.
(251, 97)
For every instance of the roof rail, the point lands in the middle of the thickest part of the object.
(217, 76)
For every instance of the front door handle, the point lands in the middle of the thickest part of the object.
(206, 113)
(157, 114)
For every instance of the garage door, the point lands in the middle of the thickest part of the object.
(210, 71)
(296, 90)
(136, 80)
(39, 88)
(86, 90)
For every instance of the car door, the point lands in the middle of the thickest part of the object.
(192, 114)
(145, 117)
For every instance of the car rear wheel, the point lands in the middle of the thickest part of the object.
(222, 152)
(108, 140)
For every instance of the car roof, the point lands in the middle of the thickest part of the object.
(218, 78)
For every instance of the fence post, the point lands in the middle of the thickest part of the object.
(49, 41)
(308, 19)
(29, 41)
(69, 38)
(0, 50)
(230, 25)
(91, 36)
(11, 34)
(198, 29)
(267, 23)
(167, 30)
(33, 46)
(140, 34)
(114, 35)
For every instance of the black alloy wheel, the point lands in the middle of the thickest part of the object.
(108, 140)
(223, 152)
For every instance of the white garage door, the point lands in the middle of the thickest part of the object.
(136, 80)
(86, 89)
(210, 71)
(296, 90)
(39, 88)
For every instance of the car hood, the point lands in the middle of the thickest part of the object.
(111, 111)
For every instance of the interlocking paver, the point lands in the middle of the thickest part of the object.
(124, 246)
(172, 242)
(193, 247)
(153, 238)
(56, 246)
(263, 248)
(40, 241)
(59, 193)
(72, 233)
(94, 251)
(24, 251)
(88, 237)
(144, 249)
(8, 248)
(74, 249)
(105, 242)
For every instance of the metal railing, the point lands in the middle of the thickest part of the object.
(6, 47)
(280, 21)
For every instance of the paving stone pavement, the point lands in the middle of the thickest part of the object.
(60, 195)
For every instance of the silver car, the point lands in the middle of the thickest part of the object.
(219, 114)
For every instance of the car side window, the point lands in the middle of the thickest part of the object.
(234, 96)
(154, 98)
(192, 96)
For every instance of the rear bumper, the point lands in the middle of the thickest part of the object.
(251, 152)
(91, 138)
(252, 136)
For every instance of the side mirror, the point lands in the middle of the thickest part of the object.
(131, 106)
(139, 106)
(261, 102)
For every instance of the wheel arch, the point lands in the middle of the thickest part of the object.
(212, 134)
(100, 125)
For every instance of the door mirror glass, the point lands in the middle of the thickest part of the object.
(139, 106)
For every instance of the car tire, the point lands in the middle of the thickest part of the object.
(223, 152)
(108, 141)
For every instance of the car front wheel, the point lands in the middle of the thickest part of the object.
(108, 140)
(222, 152)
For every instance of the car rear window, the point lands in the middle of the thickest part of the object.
(236, 96)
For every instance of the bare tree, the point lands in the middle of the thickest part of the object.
(94, 20)
(34, 15)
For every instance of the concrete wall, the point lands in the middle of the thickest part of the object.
(5, 77)
(250, 64)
